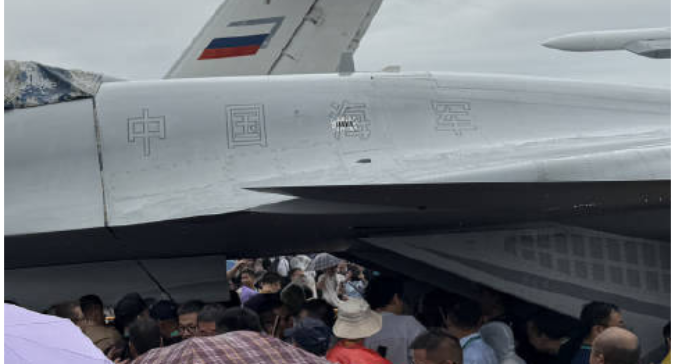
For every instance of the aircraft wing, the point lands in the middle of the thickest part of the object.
(265, 37)
(659, 48)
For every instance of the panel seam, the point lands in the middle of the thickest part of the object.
(99, 150)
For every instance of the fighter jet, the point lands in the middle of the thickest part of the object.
(556, 191)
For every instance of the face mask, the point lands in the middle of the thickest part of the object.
(175, 333)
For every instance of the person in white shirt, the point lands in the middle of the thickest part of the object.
(398, 331)
(462, 318)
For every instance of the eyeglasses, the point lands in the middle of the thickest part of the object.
(192, 329)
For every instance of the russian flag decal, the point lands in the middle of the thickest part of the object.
(233, 46)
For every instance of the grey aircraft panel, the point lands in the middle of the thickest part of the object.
(53, 179)
(415, 128)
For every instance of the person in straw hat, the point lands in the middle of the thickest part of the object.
(355, 322)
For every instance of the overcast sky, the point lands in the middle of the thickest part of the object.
(140, 39)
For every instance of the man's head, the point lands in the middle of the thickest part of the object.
(437, 346)
(385, 294)
(295, 274)
(165, 312)
(128, 309)
(188, 314)
(144, 336)
(615, 345)
(208, 319)
(92, 309)
(598, 316)
(293, 297)
(239, 319)
(461, 316)
(342, 267)
(248, 278)
(271, 313)
(547, 330)
(69, 310)
(320, 310)
(270, 282)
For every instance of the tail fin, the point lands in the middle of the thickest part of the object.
(261, 37)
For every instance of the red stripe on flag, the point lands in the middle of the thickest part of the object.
(229, 52)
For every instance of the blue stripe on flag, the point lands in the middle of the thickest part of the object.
(248, 40)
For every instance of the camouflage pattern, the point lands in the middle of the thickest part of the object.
(29, 84)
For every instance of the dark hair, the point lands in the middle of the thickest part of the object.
(164, 310)
(433, 338)
(90, 302)
(211, 312)
(266, 264)
(66, 310)
(270, 278)
(593, 313)
(381, 290)
(596, 313)
(553, 325)
(239, 319)
(293, 297)
(320, 310)
(270, 304)
(127, 309)
(461, 311)
(188, 307)
(144, 334)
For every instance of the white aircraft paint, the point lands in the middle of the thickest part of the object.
(415, 128)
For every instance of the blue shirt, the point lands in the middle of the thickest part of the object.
(354, 289)
(476, 351)
(582, 355)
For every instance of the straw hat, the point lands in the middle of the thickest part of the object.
(355, 320)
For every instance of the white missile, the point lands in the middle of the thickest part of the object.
(652, 42)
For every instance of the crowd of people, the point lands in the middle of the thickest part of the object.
(348, 315)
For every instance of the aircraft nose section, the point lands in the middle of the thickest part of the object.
(571, 42)
(566, 43)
